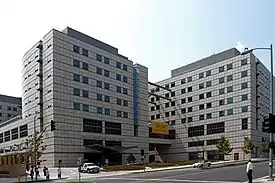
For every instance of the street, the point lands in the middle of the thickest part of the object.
(235, 174)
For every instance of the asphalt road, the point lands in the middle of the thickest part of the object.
(234, 174)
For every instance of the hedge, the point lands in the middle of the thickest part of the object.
(152, 165)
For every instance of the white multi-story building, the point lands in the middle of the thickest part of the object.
(9, 107)
(96, 97)
(224, 94)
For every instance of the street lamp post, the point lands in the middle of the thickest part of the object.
(271, 107)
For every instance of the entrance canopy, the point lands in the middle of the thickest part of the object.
(116, 149)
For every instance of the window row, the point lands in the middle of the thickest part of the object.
(201, 143)
(79, 50)
(9, 108)
(96, 126)
(208, 73)
(79, 64)
(8, 115)
(15, 133)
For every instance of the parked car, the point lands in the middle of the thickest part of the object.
(89, 168)
(201, 164)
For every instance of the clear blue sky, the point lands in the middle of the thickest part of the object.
(160, 34)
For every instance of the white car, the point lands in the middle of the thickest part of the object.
(202, 164)
(90, 168)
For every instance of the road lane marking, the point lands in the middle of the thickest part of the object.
(167, 180)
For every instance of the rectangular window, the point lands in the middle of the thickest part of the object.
(244, 124)
(99, 84)
(92, 125)
(183, 101)
(243, 74)
(153, 117)
(201, 75)
(201, 117)
(230, 78)
(106, 73)
(196, 131)
(208, 83)
(85, 80)
(76, 63)
(99, 96)
(173, 113)
(230, 100)
(7, 136)
(75, 49)
(85, 52)
(173, 103)
(221, 80)
(99, 70)
(201, 96)
(244, 109)
(106, 98)
(118, 65)
(183, 91)
(125, 80)
(1, 138)
(189, 119)
(208, 73)
(113, 128)
(229, 66)
(229, 89)
(189, 79)
(221, 69)
(201, 106)
(125, 115)
(167, 95)
(118, 89)
(183, 111)
(107, 111)
(125, 102)
(209, 116)
(244, 85)
(221, 91)
(189, 89)
(76, 92)
(167, 104)
(221, 113)
(190, 109)
(183, 81)
(119, 113)
(243, 62)
(125, 91)
(106, 60)
(76, 106)
(99, 110)
(208, 94)
(107, 86)
(125, 67)
(221, 102)
(98, 57)
(85, 107)
(183, 120)
(85, 66)
(212, 142)
(173, 94)
(201, 86)
(85, 94)
(208, 105)
(196, 143)
(118, 77)
(244, 97)
(229, 111)
(173, 84)
(215, 128)
(76, 77)
(118, 101)
(23, 131)
(189, 99)
(14, 134)
(14, 109)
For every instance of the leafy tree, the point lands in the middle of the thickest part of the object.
(224, 146)
(265, 147)
(248, 146)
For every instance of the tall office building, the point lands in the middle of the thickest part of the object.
(9, 107)
(96, 97)
(224, 94)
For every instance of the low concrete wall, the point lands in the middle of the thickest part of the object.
(14, 170)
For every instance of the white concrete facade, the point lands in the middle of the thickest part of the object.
(219, 95)
(9, 107)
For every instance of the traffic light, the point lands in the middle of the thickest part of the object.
(269, 123)
(52, 125)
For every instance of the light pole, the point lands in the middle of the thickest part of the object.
(271, 107)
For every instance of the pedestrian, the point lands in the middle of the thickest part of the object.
(59, 172)
(47, 174)
(44, 170)
(36, 173)
(31, 172)
(249, 170)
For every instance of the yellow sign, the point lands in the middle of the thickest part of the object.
(160, 127)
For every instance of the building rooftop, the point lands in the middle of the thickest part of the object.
(11, 100)
(227, 54)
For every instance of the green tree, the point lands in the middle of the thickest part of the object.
(265, 147)
(248, 146)
(224, 146)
